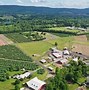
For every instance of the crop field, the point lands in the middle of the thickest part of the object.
(84, 49)
(13, 59)
(4, 40)
(64, 29)
(11, 52)
(25, 36)
(9, 65)
(81, 38)
(4, 28)
(17, 37)
(81, 44)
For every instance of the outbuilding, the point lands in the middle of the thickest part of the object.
(57, 55)
(22, 76)
(43, 61)
(66, 52)
(36, 84)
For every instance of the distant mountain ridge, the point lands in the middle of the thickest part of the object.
(14, 9)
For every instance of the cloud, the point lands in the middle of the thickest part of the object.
(1, 3)
(70, 4)
(19, 1)
(49, 3)
(37, 1)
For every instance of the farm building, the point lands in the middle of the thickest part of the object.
(54, 50)
(57, 55)
(36, 84)
(87, 82)
(22, 76)
(75, 59)
(66, 52)
(62, 61)
(81, 88)
(50, 68)
(43, 61)
(86, 62)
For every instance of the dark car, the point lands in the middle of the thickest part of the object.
(80, 53)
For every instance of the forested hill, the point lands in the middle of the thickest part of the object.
(13, 9)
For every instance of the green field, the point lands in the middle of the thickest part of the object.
(25, 37)
(7, 85)
(62, 35)
(38, 47)
(6, 28)
(62, 42)
(40, 76)
(41, 47)
(64, 29)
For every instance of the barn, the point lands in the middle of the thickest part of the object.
(36, 84)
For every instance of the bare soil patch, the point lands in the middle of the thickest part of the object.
(81, 38)
(4, 40)
(84, 49)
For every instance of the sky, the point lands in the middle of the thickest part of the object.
(49, 3)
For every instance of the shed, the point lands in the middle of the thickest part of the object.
(43, 61)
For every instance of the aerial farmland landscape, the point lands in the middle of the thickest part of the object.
(44, 45)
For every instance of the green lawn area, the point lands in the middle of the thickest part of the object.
(7, 85)
(38, 47)
(81, 80)
(63, 42)
(40, 76)
(72, 86)
(14, 72)
(41, 47)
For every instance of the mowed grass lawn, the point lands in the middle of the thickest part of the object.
(73, 86)
(40, 76)
(39, 47)
(63, 42)
(7, 85)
